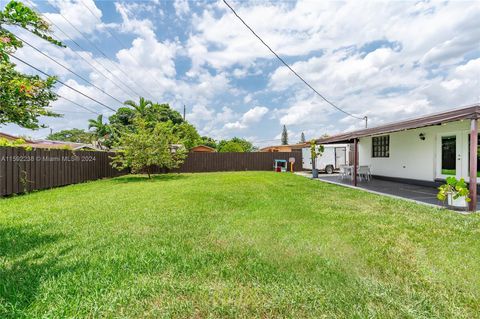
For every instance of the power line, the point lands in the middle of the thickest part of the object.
(102, 53)
(77, 104)
(119, 41)
(86, 61)
(81, 48)
(290, 68)
(59, 81)
(68, 69)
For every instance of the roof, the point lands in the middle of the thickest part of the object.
(60, 144)
(469, 112)
(11, 137)
(50, 144)
(288, 145)
(211, 149)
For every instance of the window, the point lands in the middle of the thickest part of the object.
(381, 146)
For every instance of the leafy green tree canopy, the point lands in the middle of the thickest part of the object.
(104, 133)
(208, 141)
(23, 98)
(147, 147)
(187, 134)
(154, 112)
(245, 146)
(230, 146)
(123, 117)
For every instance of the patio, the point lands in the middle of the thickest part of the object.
(422, 194)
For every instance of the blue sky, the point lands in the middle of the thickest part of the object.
(386, 60)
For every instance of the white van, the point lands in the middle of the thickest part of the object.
(333, 156)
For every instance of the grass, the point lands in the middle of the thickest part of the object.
(453, 172)
(247, 244)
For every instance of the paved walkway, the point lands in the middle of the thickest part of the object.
(420, 194)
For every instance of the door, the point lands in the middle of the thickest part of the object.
(340, 156)
(306, 158)
(449, 156)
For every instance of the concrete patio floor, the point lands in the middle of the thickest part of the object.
(421, 194)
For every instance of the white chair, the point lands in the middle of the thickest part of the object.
(344, 171)
(364, 172)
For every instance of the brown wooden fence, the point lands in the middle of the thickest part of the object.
(23, 171)
(222, 162)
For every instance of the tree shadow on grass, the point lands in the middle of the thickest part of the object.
(24, 265)
(144, 178)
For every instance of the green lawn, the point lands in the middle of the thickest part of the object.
(453, 172)
(246, 244)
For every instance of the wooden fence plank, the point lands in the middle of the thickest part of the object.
(3, 171)
(44, 168)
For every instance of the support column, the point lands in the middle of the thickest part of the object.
(355, 162)
(473, 164)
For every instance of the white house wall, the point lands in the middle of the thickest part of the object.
(410, 157)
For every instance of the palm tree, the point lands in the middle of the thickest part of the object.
(142, 107)
(102, 130)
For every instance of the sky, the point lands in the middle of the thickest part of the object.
(385, 60)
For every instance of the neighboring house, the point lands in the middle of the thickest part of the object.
(51, 144)
(11, 137)
(423, 150)
(285, 148)
(203, 149)
(63, 145)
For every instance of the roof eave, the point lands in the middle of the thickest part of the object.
(471, 112)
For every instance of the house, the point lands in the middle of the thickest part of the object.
(202, 149)
(12, 138)
(63, 145)
(423, 151)
(50, 144)
(285, 148)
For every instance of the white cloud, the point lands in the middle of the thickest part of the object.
(387, 60)
(181, 7)
(72, 15)
(248, 98)
(327, 40)
(250, 117)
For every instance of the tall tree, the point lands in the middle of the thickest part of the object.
(302, 138)
(104, 133)
(123, 117)
(284, 136)
(208, 141)
(244, 145)
(163, 113)
(188, 135)
(147, 147)
(154, 112)
(141, 108)
(23, 98)
(230, 146)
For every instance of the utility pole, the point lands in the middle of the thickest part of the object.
(184, 112)
(366, 121)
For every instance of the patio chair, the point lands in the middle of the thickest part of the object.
(364, 172)
(344, 171)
